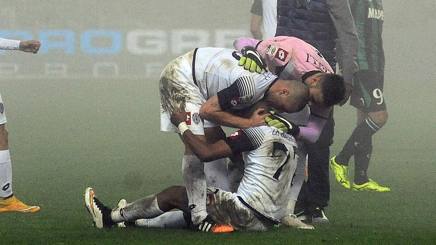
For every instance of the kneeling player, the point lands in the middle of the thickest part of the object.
(260, 201)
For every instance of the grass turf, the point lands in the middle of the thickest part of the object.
(65, 136)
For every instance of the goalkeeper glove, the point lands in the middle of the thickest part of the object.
(282, 124)
(251, 60)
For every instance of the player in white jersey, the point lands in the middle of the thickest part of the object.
(210, 86)
(8, 202)
(260, 201)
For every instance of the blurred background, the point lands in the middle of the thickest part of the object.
(84, 111)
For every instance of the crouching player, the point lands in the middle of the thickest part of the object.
(262, 196)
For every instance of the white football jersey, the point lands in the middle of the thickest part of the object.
(216, 69)
(269, 168)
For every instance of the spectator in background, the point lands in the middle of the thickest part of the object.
(263, 19)
(328, 25)
(367, 97)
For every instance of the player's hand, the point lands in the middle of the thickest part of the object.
(282, 124)
(30, 46)
(178, 116)
(251, 60)
(348, 90)
(258, 117)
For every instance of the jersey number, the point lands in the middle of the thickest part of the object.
(378, 94)
(281, 147)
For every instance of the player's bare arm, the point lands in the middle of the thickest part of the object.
(206, 152)
(31, 46)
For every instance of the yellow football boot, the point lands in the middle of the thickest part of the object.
(340, 172)
(13, 204)
(371, 185)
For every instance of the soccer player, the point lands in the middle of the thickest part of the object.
(367, 97)
(260, 201)
(208, 83)
(293, 58)
(8, 201)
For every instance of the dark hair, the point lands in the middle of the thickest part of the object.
(332, 89)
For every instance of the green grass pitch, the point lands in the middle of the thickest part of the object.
(67, 135)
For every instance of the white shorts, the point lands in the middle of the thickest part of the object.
(2, 112)
(226, 208)
(178, 90)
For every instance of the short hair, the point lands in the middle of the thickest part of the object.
(332, 89)
(300, 94)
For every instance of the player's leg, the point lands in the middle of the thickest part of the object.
(317, 187)
(175, 219)
(292, 219)
(372, 115)
(298, 180)
(149, 207)
(8, 202)
(217, 174)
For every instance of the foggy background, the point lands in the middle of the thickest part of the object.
(88, 103)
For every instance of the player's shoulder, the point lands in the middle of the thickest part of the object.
(266, 133)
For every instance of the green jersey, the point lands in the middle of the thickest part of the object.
(368, 17)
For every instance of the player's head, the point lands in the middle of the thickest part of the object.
(287, 95)
(325, 89)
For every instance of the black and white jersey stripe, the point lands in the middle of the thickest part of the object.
(255, 135)
(246, 88)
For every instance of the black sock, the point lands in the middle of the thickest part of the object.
(364, 130)
(362, 156)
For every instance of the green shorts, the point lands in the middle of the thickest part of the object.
(367, 94)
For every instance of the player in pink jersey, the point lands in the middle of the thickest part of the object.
(291, 57)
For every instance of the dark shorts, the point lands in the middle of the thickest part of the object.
(367, 94)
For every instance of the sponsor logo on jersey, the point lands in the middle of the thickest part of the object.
(235, 134)
(271, 50)
(281, 54)
(375, 14)
(188, 118)
(196, 118)
(234, 102)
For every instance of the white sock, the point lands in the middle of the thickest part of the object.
(297, 182)
(217, 174)
(5, 174)
(172, 219)
(142, 208)
(195, 183)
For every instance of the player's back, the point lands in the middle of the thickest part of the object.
(217, 68)
(268, 172)
(296, 55)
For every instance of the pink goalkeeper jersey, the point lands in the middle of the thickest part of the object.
(296, 55)
(291, 58)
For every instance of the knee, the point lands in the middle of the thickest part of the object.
(379, 117)
(173, 197)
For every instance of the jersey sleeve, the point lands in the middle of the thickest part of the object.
(245, 140)
(242, 42)
(245, 91)
(9, 44)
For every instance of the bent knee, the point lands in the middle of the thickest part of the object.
(379, 117)
(173, 197)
